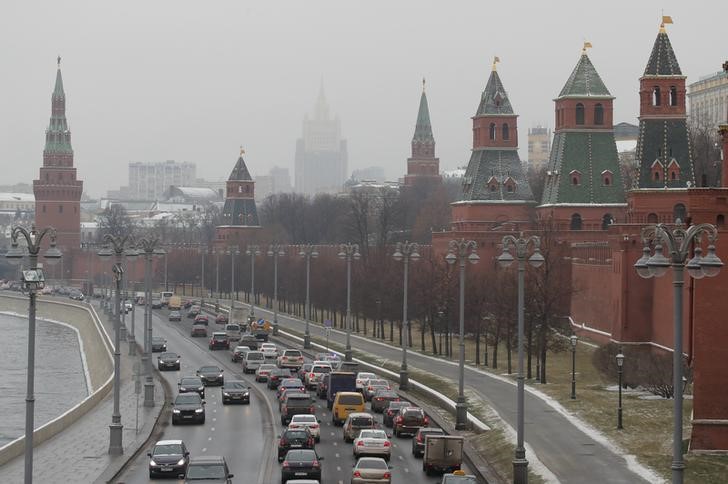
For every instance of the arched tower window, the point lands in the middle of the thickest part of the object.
(607, 220)
(575, 222)
(492, 131)
(598, 114)
(579, 113)
(720, 220)
(656, 96)
(575, 177)
(652, 218)
(506, 133)
(679, 213)
(607, 178)
(673, 96)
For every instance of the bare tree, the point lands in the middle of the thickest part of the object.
(115, 221)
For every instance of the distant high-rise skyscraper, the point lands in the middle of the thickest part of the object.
(539, 146)
(150, 181)
(57, 190)
(321, 157)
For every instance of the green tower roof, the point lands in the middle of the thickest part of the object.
(240, 171)
(423, 128)
(494, 99)
(662, 59)
(584, 81)
(58, 89)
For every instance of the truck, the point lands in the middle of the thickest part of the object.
(443, 453)
(174, 303)
(339, 381)
(260, 328)
(164, 297)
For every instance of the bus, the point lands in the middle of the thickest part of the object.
(164, 296)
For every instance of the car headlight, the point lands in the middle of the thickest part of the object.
(174, 410)
(177, 361)
(200, 389)
(220, 375)
(246, 394)
(181, 462)
(225, 394)
(152, 463)
(199, 410)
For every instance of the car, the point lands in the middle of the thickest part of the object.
(156, 304)
(187, 303)
(188, 407)
(76, 295)
(191, 384)
(371, 469)
(276, 375)
(263, 371)
(290, 384)
(252, 360)
(307, 421)
(202, 319)
(381, 400)
(392, 411)
(318, 369)
(218, 341)
(361, 379)
(235, 391)
(270, 350)
(128, 306)
(168, 361)
(355, 422)
(207, 468)
(344, 404)
(198, 330)
(373, 385)
(174, 316)
(211, 375)
(299, 438)
(238, 353)
(158, 344)
(290, 359)
(250, 341)
(305, 368)
(168, 458)
(322, 388)
(409, 421)
(300, 463)
(458, 477)
(372, 442)
(418, 443)
(221, 318)
(295, 404)
(233, 331)
(193, 311)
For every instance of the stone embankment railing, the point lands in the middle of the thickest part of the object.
(96, 351)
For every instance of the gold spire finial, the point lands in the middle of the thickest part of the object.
(496, 60)
(423, 84)
(587, 45)
(242, 151)
(666, 19)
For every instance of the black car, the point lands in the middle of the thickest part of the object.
(211, 375)
(193, 312)
(207, 468)
(294, 439)
(295, 404)
(380, 400)
(168, 361)
(418, 443)
(158, 344)
(276, 375)
(322, 388)
(235, 391)
(301, 464)
(76, 296)
(190, 384)
(168, 458)
(188, 407)
(250, 341)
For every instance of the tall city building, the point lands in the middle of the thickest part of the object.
(57, 190)
(708, 98)
(423, 166)
(539, 146)
(321, 156)
(151, 180)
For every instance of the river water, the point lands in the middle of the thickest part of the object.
(60, 382)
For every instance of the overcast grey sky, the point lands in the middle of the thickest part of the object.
(154, 80)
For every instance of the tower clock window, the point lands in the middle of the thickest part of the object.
(579, 113)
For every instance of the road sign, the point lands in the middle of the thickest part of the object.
(328, 324)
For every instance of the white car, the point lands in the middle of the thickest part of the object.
(318, 369)
(308, 421)
(362, 378)
(270, 350)
(373, 442)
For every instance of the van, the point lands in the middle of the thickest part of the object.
(233, 331)
(252, 361)
(356, 422)
(344, 404)
(174, 303)
(164, 297)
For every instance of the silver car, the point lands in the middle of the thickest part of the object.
(371, 470)
(252, 361)
(373, 442)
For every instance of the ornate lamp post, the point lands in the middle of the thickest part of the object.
(460, 251)
(118, 247)
(203, 251)
(150, 247)
(573, 340)
(275, 251)
(348, 252)
(521, 244)
(678, 242)
(620, 364)
(405, 252)
(33, 280)
(217, 278)
(253, 251)
(308, 252)
(232, 252)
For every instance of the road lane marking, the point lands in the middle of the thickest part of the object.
(337, 455)
(204, 449)
(212, 428)
(400, 457)
(209, 438)
(338, 468)
(214, 419)
(335, 444)
(406, 470)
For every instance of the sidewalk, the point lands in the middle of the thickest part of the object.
(79, 454)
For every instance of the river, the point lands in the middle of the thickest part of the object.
(60, 382)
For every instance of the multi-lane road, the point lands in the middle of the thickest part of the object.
(246, 435)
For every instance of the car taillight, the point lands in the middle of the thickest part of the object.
(386, 443)
(387, 475)
(357, 474)
(360, 443)
(314, 426)
(427, 421)
(285, 464)
(398, 419)
(312, 409)
(316, 463)
(311, 375)
(303, 389)
(284, 441)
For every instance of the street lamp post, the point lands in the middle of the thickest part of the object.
(253, 251)
(275, 250)
(521, 244)
(118, 247)
(217, 279)
(150, 247)
(166, 283)
(620, 365)
(573, 340)
(405, 252)
(460, 251)
(203, 253)
(678, 241)
(33, 280)
(232, 252)
(348, 252)
(308, 252)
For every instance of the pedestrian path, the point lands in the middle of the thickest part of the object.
(79, 454)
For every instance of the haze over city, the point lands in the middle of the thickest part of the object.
(190, 81)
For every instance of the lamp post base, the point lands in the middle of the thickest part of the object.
(520, 470)
(306, 341)
(403, 380)
(132, 344)
(275, 328)
(122, 332)
(116, 431)
(347, 354)
(461, 414)
(149, 392)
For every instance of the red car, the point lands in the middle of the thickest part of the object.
(219, 341)
(202, 319)
(221, 318)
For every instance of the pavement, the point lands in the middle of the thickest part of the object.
(79, 454)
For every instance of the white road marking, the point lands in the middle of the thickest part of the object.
(209, 438)
(212, 428)
(204, 449)
(214, 419)
(337, 455)
(338, 469)
(401, 458)
(335, 444)
(406, 470)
